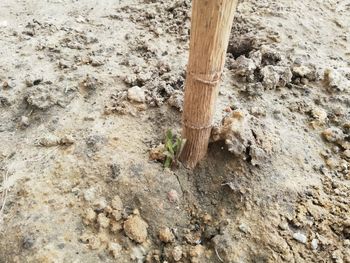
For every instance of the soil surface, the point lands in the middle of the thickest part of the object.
(88, 90)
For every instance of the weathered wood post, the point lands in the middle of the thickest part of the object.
(210, 31)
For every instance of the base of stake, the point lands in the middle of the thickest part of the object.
(196, 146)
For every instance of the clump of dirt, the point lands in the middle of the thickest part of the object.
(246, 137)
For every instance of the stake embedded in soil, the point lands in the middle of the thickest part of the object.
(210, 31)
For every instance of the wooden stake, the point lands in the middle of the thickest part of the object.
(210, 31)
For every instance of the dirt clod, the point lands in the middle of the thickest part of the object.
(136, 228)
(166, 235)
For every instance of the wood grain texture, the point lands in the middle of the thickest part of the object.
(210, 31)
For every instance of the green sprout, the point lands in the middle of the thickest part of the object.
(173, 148)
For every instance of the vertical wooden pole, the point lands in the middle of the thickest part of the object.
(210, 31)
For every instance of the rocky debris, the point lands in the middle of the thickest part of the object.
(119, 104)
(138, 254)
(166, 235)
(115, 249)
(346, 153)
(176, 100)
(89, 194)
(24, 122)
(244, 228)
(197, 254)
(246, 137)
(333, 134)
(78, 40)
(157, 153)
(314, 244)
(100, 204)
(46, 95)
(89, 217)
(300, 237)
(103, 220)
(172, 18)
(244, 67)
(275, 76)
(136, 94)
(89, 83)
(304, 72)
(115, 227)
(51, 140)
(155, 255)
(260, 70)
(336, 81)
(136, 228)
(177, 253)
(64, 64)
(319, 115)
(258, 111)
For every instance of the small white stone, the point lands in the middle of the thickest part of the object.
(136, 94)
(314, 244)
(300, 237)
(90, 194)
(244, 228)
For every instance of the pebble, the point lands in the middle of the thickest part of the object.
(333, 134)
(347, 243)
(24, 122)
(115, 227)
(117, 214)
(114, 249)
(89, 217)
(244, 228)
(8, 84)
(138, 254)
(136, 94)
(89, 83)
(196, 253)
(346, 153)
(314, 244)
(89, 194)
(136, 228)
(102, 220)
(283, 226)
(176, 100)
(177, 253)
(166, 235)
(302, 71)
(300, 237)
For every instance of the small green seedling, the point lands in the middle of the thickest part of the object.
(173, 148)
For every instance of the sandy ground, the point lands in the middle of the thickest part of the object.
(89, 88)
